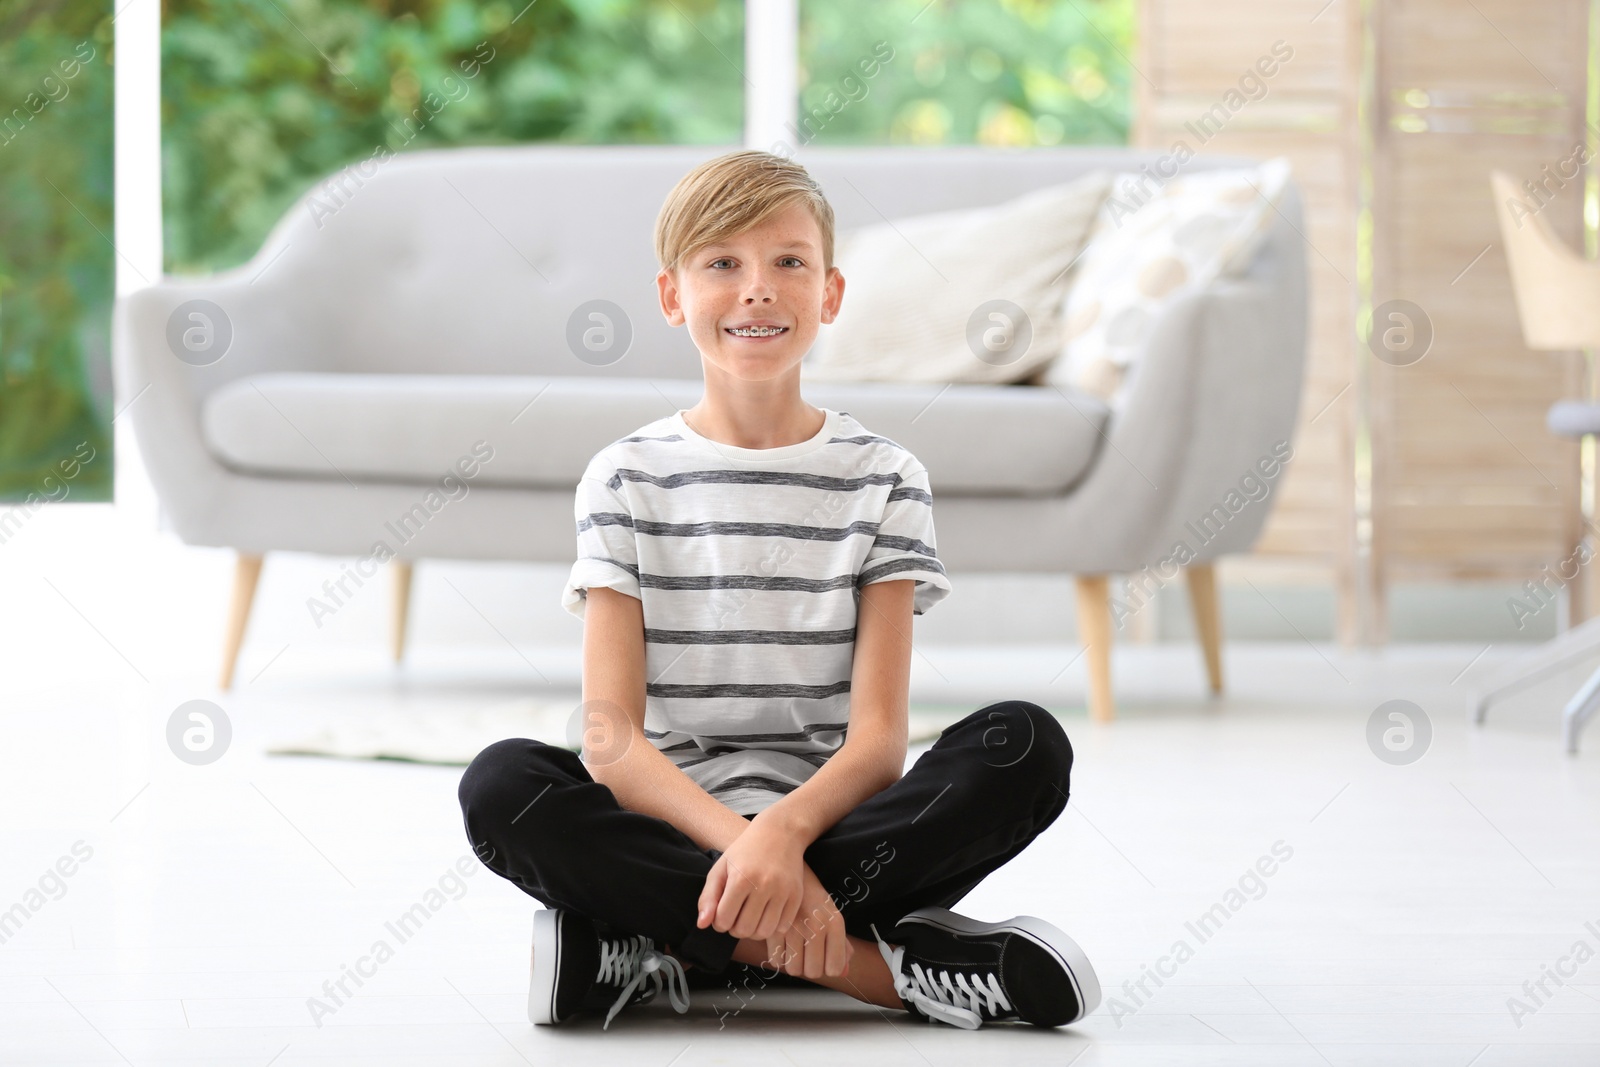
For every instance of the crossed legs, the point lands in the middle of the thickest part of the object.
(989, 785)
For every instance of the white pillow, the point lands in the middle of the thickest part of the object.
(1148, 249)
(913, 287)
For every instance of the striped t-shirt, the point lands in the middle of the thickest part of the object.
(748, 563)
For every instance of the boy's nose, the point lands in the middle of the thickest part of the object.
(760, 285)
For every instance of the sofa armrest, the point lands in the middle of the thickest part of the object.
(267, 330)
(1250, 360)
(1243, 365)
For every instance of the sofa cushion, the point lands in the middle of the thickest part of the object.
(933, 298)
(1147, 251)
(542, 432)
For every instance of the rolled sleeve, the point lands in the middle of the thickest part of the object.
(608, 556)
(904, 546)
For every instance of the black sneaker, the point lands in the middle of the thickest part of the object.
(960, 971)
(578, 966)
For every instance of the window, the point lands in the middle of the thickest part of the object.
(262, 98)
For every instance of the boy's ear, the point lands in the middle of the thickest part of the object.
(671, 306)
(832, 295)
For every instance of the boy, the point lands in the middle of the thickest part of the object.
(748, 572)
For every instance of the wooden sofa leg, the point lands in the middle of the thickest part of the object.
(1207, 619)
(402, 607)
(246, 573)
(1094, 628)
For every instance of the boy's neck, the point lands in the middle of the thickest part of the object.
(750, 422)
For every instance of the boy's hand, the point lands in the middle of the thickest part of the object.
(816, 943)
(756, 886)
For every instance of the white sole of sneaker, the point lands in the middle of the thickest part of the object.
(1085, 983)
(542, 986)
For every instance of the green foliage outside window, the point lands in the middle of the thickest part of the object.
(264, 98)
(994, 72)
(57, 264)
(261, 99)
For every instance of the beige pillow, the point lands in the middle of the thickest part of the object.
(959, 296)
(1149, 250)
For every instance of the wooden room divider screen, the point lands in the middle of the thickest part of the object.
(1421, 452)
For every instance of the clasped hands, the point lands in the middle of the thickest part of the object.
(762, 887)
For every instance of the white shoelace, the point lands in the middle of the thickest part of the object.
(940, 994)
(632, 960)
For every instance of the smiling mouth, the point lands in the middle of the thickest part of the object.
(757, 332)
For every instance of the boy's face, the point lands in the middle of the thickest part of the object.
(771, 274)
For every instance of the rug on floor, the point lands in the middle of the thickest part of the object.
(452, 737)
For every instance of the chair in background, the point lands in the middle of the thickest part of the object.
(1558, 302)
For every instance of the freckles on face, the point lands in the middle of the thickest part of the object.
(741, 310)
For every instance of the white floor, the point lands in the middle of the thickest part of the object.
(215, 901)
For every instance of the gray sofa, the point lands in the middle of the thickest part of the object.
(338, 393)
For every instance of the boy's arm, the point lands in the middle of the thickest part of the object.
(642, 778)
(873, 755)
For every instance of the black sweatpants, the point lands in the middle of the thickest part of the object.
(988, 786)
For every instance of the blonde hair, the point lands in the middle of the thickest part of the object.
(732, 193)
